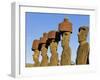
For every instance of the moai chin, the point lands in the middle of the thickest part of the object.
(65, 29)
(53, 48)
(44, 49)
(35, 48)
(83, 49)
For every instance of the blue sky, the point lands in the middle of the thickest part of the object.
(38, 23)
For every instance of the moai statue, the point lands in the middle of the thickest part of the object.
(83, 49)
(65, 28)
(44, 49)
(52, 36)
(35, 48)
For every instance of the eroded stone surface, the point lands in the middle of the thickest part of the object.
(66, 53)
(44, 55)
(54, 54)
(83, 49)
(53, 48)
(36, 58)
(65, 26)
(35, 44)
(65, 29)
(35, 48)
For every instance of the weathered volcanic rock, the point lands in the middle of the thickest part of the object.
(52, 34)
(65, 26)
(43, 39)
(35, 44)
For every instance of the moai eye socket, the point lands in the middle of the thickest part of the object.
(66, 34)
(82, 29)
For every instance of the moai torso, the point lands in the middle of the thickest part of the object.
(54, 54)
(66, 53)
(44, 61)
(83, 54)
(36, 58)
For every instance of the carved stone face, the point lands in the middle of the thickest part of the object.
(82, 35)
(67, 35)
(65, 38)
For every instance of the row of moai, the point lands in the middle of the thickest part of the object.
(52, 38)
